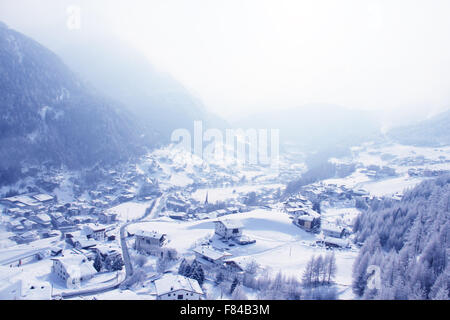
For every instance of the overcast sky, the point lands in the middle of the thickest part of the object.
(241, 56)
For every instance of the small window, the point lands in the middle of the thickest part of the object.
(180, 297)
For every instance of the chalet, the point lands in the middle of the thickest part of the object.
(107, 252)
(17, 212)
(233, 266)
(95, 231)
(177, 205)
(107, 217)
(28, 236)
(210, 256)
(334, 231)
(29, 225)
(149, 242)
(228, 228)
(42, 219)
(309, 222)
(233, 269)
(73, 269)
(83, 243)
(177, 287)
(15, 225)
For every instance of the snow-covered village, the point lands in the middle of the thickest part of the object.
(267, 150)
(151, 230)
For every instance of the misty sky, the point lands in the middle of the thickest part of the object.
(242, 56)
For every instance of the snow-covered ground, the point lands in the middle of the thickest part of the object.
(130, 210)
(280, 245)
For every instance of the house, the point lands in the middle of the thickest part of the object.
(73, 269)
(107, 252)
(308, 222)
(107, 217)
(228, 228)
(28, 236)
(83, 243)
(177, 287)
(177, 205)
(334, 231)
(95, 231)
(209, 256)
(149, 242)
(15, 225)
(233, 269)
(109, 255)
(42, 219)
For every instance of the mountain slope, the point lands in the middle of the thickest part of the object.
(48, 115)
(160, 102)
(432, 132)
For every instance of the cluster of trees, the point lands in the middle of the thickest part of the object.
(282, 287)
(109, 263)
(166, 258)
(320, 271)
(407, 241)
(192, 270)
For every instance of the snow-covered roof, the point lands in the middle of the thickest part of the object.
(77, 265)
(44, 217)
(43, 197)
(231, 224)
(85, 243)
(24, 199)
(170, 283)
(106, 249)
(305, 217)
(210, 253)
(95, 227)
(149, 234)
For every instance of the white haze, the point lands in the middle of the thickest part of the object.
(245, 56)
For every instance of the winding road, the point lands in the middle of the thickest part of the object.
(150, 212)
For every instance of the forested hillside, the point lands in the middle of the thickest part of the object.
(409, 240)
(49, 116)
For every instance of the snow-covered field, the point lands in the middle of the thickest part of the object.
(130, 210)
(280, 245)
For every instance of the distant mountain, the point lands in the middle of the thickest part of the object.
(317, 127)
(161, 103)
(432, 132)
(47, 115)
